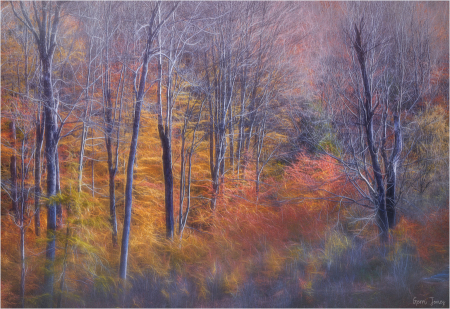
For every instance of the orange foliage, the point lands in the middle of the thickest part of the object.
(431, 238)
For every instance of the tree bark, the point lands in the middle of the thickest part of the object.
(168, 182)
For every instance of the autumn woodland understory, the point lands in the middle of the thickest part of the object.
(224, 154)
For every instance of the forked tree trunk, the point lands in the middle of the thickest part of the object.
(368, 125)
(133, 146)
(164, 136)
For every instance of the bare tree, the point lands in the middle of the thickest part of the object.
(376, 82)
(190, 151)
(44, 28)
(154, 26)
(20, 188)
(112, 121)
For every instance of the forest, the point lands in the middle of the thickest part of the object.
(224, 154)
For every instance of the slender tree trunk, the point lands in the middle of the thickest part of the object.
(37, 171)
(22, 229)
(112, 174)
(183, 220)
(22, 264)
(81, 159)
(92, 164)
(241, 120)
(211, 120)
(58, 189)
(13, 170)
(231, 136)
(132, 155)
(182, 172)
(20, 217)
(258, 173)
(112, 207)
(111, 169)
(50, 149)
(84, 130)
(129, 187)
(115, 170)
(63, 275)
(188, 206)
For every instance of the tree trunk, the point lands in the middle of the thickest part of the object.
(50, 147)
(63, 275)
(84, 130)
(22, 264)
(92, 164)
(231, 136)
(58, 190)
(392, 174)
(164, 136)
(37, 171)
(13, 170)
(111, 169)
(129, 184)
(132, 156)
(183, 225)
(182, 172)
(20, 218)
(81, 159)
(22, 227)
(369, 111)
(168, 181)
(241, 120)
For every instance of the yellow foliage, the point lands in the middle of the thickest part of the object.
(231, 282)
(274, 263)
(335, 244)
